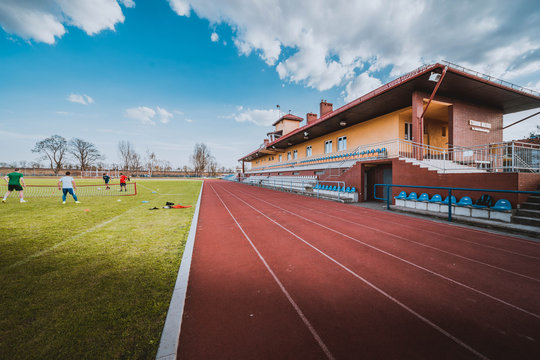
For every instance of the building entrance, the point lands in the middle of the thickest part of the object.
(376, 174)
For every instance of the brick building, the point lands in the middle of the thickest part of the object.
(439, 125)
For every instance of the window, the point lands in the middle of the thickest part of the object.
(295, 154)
(280, 158)
(289, 155)
(444, 131)
(328, 146)
(319, 172)
(342, 143)
(408, 131)
(296, 173)
(308, 151)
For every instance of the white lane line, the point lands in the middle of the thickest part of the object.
(45, 251)
(405, 261)
(412, 241)
(373, 286)
(276, 279)
(170, 336)
(419, 228)
(147, 188)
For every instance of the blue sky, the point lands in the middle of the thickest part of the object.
(166, 74)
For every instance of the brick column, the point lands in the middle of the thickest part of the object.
(417, 121)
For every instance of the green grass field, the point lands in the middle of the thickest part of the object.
(92, 284)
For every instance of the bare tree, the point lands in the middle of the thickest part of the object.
(200, 158)
(84, 152)
(186, 170)
(212, 167)
(53, 149)
(126, 150)
(151, 161)
(135, 163)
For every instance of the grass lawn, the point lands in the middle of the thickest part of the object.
(92, 284)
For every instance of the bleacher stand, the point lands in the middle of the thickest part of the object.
(308, 185)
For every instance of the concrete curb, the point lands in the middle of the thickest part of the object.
(168, 345)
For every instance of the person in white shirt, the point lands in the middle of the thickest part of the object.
(67, 185)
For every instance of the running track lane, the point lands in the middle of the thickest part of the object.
(272, 277)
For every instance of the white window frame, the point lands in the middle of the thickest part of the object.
(408, 131)
(342, 143)
(308, 151)
(295, 154)
(280, 158)
(328, 146)
(288, 156)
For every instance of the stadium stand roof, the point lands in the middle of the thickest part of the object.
(459, 83)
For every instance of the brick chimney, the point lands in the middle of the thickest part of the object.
(266, 142)
(325, 107)
(311, 117)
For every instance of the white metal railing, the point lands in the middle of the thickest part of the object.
(498, 157)
(491, 78)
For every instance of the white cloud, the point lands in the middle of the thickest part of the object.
(257, 117)
(361, 85)
(44, 20)
(128, 3)
(214, 37)
(30, 22)
(163, 115)
(148, 116)
(180, 7)
(143, 114)
(327, 45)
(80, 99)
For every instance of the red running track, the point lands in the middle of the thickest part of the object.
(281, 276)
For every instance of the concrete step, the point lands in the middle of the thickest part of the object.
(528, 213)
(529, 205)
(526, 220)
(534, 199)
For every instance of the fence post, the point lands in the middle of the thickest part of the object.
(388, 187)
(450, 205)
(513, 158)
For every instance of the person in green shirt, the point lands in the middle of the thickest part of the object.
(14, 180)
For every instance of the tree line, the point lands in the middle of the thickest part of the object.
(58, 152)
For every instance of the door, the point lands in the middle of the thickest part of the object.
(380, 174)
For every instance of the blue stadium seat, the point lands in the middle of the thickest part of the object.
(465, 201)
(423, 197)
(502, 205)
(334, 188)
(483, 202)
(453, 200)
(347, 189)
(436, 198)
(353, 189)
(402, 195)
(412, 196)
